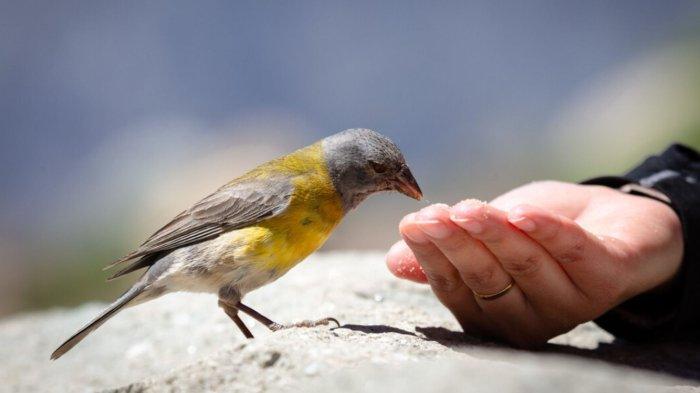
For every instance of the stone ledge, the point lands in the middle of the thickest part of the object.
(395, 337)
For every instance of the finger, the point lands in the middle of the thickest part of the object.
(403, 264)
(542, 280)
(443, 278)
(477, 267)
(508, 313)
(584, 256)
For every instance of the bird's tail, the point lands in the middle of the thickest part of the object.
(112, 310)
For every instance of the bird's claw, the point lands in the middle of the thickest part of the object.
(304, 324)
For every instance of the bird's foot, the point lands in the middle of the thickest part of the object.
(305, 324)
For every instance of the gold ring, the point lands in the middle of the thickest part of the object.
(491, 296)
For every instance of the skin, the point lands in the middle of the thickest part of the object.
(572, 252)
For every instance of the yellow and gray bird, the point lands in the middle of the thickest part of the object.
(254, 229)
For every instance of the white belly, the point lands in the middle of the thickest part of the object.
(198, 269)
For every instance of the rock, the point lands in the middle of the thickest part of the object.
(395, 337)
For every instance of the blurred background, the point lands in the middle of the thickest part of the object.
(115, 116)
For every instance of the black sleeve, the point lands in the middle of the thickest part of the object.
(673, 312)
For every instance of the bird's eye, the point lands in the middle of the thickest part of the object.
(378, 167)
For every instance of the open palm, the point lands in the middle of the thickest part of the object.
(571, 252)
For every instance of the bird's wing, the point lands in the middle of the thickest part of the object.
(234, 206)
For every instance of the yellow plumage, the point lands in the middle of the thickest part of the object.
(314, 211)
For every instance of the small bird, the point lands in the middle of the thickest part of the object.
(257, 227)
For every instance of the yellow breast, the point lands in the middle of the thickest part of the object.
(315, 210)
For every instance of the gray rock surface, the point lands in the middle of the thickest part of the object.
(395, 337)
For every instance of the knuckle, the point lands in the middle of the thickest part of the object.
(573, 253)
(492, 237)
(441, 283)
(480, 278)
(452, 245)
(522, 267)
(552, 229)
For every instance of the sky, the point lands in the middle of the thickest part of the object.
(113, 114)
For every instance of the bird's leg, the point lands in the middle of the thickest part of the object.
(274, 326)
(232, 312)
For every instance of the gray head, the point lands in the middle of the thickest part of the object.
(362, 162)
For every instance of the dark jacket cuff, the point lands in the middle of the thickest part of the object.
(671, 312)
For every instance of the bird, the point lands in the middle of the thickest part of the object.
(255, 228)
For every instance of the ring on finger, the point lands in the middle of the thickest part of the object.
(495, 295)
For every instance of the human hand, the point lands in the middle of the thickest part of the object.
(572, 252)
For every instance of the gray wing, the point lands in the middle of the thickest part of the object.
(232, 207)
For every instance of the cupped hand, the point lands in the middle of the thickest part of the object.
(571, 252)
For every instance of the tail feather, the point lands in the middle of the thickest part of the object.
(113, 309)
(142, 262)
(126, 258)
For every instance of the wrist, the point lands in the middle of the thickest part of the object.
(671, 308)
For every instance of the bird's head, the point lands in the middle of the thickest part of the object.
(362, 162)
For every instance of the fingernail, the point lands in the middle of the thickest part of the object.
(431, 226)
(469, 224)
(415, 235)
(465, 216)
(434, 228)
(523, 223)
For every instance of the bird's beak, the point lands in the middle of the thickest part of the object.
(407, 184)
